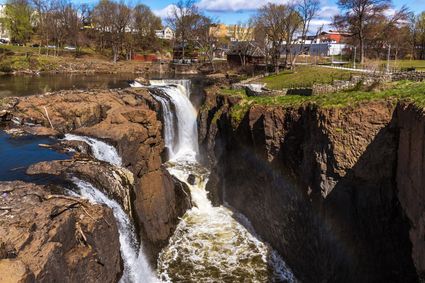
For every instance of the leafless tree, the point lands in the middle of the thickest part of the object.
(184, 19)
(280, 24)
(307, 10)
(358, 17)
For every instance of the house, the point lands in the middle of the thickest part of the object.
(231, 32)
(167, 33)
(333, 36)
(245, 52)
(317, 49)
(4, 34)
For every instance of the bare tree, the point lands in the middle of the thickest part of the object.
(307, 10)
(358, 16)
(279, 23)
(184, 19)
(144, 23)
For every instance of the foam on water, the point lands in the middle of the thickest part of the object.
(136, 267)
(209, 244)
(101, 150)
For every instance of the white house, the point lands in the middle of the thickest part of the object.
(3, 32)
(166, 33)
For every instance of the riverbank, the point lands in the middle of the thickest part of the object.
(12, 62)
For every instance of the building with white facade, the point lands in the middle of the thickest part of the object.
(166, 33)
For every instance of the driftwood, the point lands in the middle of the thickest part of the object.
(7, 190)
(48, 118)
(5, 208)
(79, 230)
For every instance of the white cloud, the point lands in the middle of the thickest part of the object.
(234, 5)
(328, 12)
(165, 12)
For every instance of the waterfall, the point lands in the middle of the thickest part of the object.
(209, 244)
(178, 93)
(136, 267)
(101, 151)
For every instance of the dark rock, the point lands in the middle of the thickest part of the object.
(323, 193)
(191, 179)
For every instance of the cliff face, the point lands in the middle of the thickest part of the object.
(411, 178)
(320, 185)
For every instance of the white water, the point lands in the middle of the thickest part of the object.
(136, 267)
(177, 92)
(101, 150)
(209, 245)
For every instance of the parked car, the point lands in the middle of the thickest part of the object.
(51, 46)
(35, 45)
(70, 48)
(4, 41)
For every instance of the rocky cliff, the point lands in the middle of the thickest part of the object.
(129, 120)
(326, 187)
(46, 237)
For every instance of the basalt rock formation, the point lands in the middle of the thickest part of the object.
(337, 191)
(51, 238)
(129, 120)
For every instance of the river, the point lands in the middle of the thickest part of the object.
(23, 85)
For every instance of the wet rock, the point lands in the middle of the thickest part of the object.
(191, 179)
(114, 181)
(48, 238)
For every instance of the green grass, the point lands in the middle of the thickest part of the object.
(404, 90)
(305, 76)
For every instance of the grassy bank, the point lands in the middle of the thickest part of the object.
(22, 59)
(305, 76)
(407, 91)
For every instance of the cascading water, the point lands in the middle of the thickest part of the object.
(209, 245)
(136, 267)
(101, 150)
(178, 93)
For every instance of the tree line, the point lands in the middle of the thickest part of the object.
(109, 26)
(119, 29)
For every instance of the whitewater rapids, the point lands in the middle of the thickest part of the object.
(209, 244)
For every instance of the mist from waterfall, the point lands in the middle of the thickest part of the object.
(209, 244)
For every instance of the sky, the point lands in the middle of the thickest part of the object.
(239, 11)
(235, 11)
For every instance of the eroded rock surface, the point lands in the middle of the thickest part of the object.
(50, 238)
(319, 184)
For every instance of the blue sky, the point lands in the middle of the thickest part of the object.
(235, 11)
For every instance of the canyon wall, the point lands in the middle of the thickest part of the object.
(319, 184)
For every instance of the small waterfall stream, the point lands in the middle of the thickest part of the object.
(136, 266)
(209, 245)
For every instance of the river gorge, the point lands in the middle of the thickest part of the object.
(160, 183)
